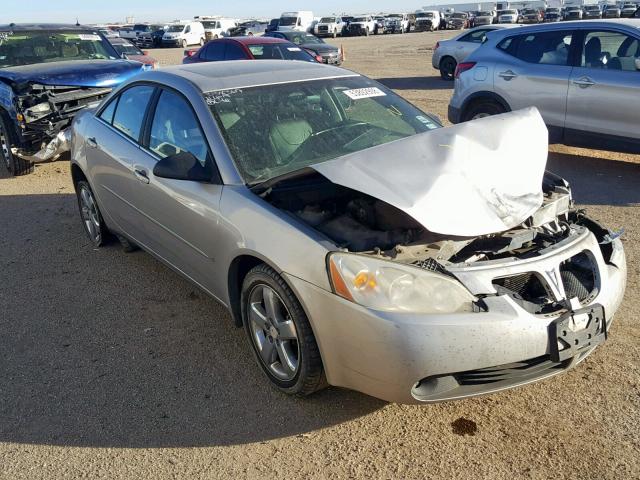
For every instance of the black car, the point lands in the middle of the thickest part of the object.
(314, 45)
(273, 25)
(156, 38)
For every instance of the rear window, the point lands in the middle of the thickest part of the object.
(281, 51)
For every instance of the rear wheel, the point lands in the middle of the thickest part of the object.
(483, 108)
(448, 68)
(15, 165)
(92, 221)
(280, 333)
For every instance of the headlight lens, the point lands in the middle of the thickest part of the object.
(394, 287)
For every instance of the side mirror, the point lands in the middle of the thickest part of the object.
(124, 56)
(182, 166)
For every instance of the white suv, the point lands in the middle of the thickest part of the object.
(584, 78)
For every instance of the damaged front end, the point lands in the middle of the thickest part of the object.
(45, 112)
(476, 228)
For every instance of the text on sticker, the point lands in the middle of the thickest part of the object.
(358, 93)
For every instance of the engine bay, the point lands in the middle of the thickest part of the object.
(360, 223)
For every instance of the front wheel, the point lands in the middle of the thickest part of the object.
(280, 333)
(184, 44)
(15, 165)
(335, 33)
(201, 41)
(367, 32)
(447, 68)
(92, 220)
(482, 109)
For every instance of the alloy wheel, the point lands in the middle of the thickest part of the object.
(90, 215)
(273, 332)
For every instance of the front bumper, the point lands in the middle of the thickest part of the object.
(175, 42)
(52, 150)
(424, 26)
(332, 58)
(453, 114)
(412, 358)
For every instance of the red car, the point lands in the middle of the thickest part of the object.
(248, 48)
(132, 52)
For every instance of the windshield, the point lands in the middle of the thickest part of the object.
(459, 15)
(424, 15)
(28, 48)
(276, 129)
(209, 25)
(572, 9)
(394, 15)
(327, 20)
(175, 28)
(483, 14)
(592, 7)
(127, 49)
(528, 12)
(288, 21)
(552, 10)
(303, 38)
(360, 19)
(508, 12)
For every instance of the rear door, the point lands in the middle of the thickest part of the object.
(604, 92)
(177, 219)
(535, 72)
(112, 149)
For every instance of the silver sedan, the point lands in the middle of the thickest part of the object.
(448, 53)
(357, 242)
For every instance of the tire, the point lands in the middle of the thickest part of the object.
(293, 366)
(215, 37)
(201, 42)
(367, 32)
(16, 166)
(184, 44)
(92, 220)
(482, 108)
(447, 68)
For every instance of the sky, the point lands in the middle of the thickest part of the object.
(98, 11)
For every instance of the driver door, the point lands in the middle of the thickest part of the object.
(178, 220)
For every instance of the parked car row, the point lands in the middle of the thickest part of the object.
(326, 212)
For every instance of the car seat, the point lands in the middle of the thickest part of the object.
(593, 53)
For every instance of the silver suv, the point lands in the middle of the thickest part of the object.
(584, 77)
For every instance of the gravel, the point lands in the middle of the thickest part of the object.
(112, 366)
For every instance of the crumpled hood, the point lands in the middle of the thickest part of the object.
(74, 73)
(475, 178)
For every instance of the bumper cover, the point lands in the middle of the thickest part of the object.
(60, 144)
(410, 358)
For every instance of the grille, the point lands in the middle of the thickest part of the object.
(527, 286)
(511, 372)
(431, 265)
(323, 29)
(579, 277)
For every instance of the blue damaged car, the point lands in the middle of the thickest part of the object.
(47, 74)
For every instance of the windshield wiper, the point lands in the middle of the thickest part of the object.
(261, 187)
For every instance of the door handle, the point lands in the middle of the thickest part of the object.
(91, 142)
(508, 75)
(584, 82)
(141, 174)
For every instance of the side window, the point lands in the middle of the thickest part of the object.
(107, 113)
(234, 52)
(476, 36)
(611, 51)
(175, 129)
(214, 52)
(187, 29)
(544, 48)
(130, 110)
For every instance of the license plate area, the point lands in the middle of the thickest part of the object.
(577, 331)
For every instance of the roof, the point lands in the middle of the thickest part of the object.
(573, 24)
(211, 76)
(255, 40)
(17, 27)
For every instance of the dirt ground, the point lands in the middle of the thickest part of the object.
(112, 366)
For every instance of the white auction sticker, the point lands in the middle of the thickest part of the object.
(359, 93)
(93, 38)
(293, 49)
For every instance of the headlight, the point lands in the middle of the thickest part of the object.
(393, 287)
(39, 108)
